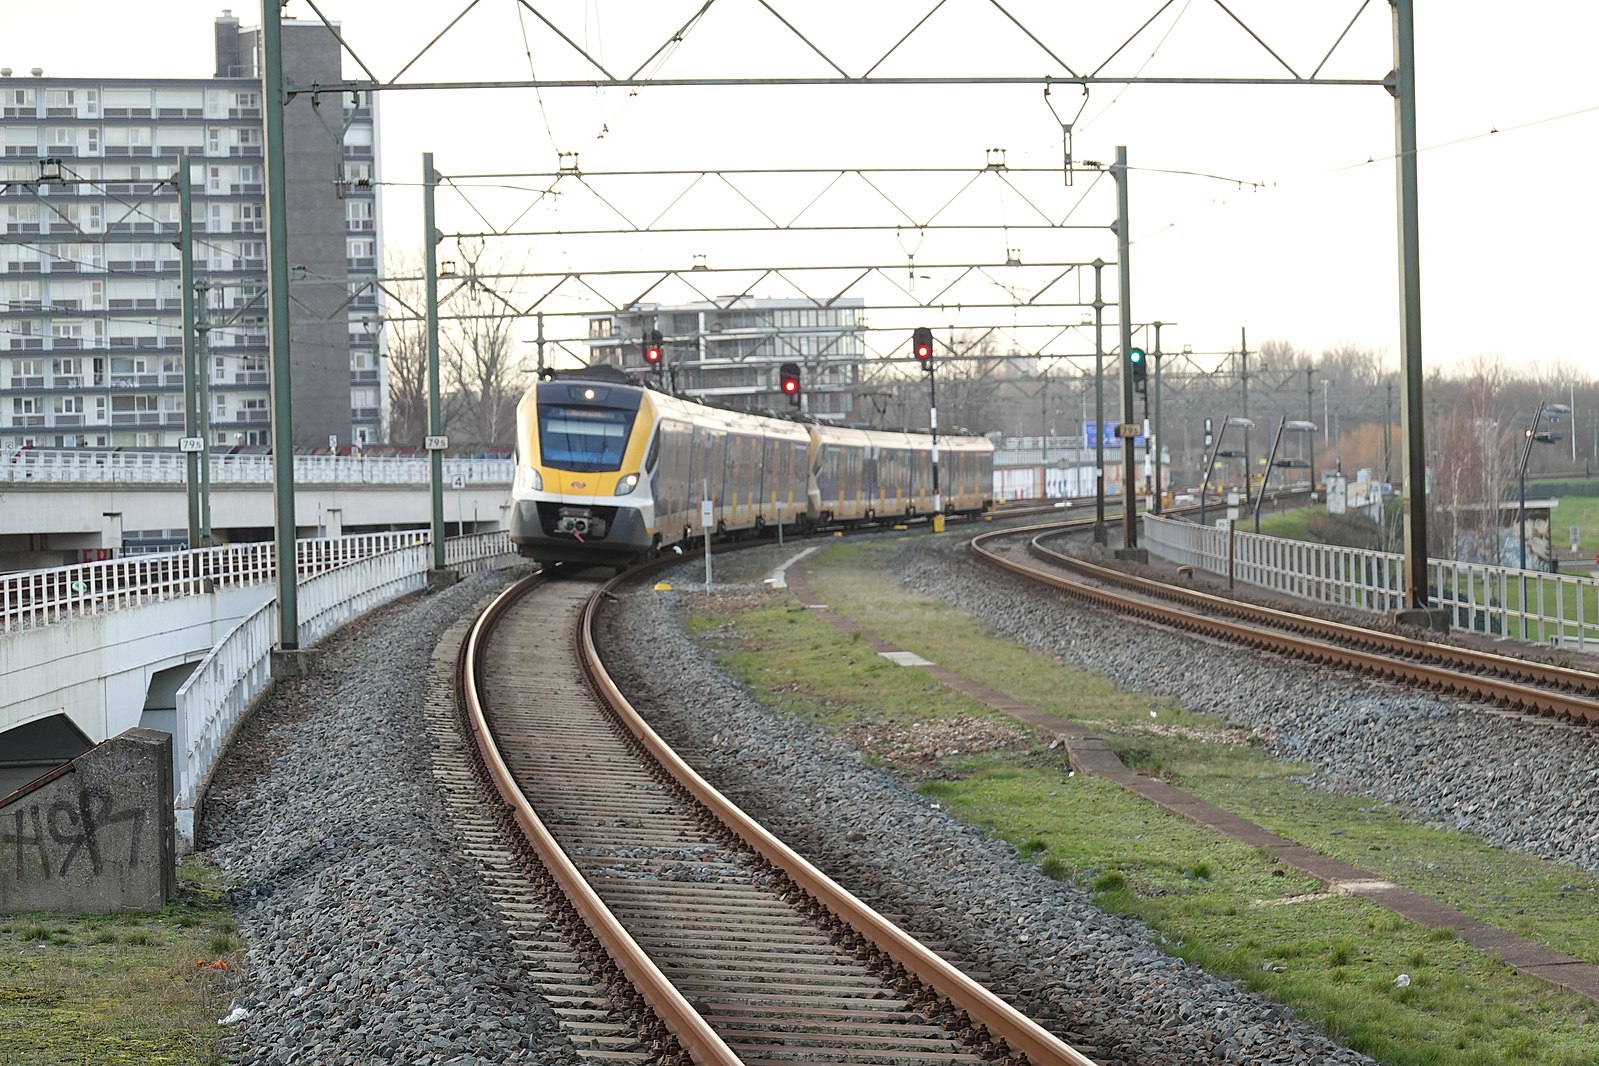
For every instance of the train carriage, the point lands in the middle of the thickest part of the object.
(876, 475)
(608, 471)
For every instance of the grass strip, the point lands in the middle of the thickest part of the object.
(115, 989)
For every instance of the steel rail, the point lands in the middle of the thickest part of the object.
(1248, 633)
(1508, 666)
(1003, 1022)
(670, 1007)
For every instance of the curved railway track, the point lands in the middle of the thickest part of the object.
(723, 944)
(1517, 684)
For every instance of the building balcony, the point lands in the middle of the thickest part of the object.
(27, 421)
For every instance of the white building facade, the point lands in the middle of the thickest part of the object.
(91, 345)
(731, 351)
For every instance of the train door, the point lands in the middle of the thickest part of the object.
(675, 466)
(871, 496)
(716, 470)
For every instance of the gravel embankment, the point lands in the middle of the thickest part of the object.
(370, 938)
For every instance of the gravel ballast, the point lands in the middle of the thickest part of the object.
(370, 936)
(371, 939)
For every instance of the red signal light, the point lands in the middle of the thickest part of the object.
(922, 346)
(788, 380)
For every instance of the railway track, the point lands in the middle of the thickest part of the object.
(717, 942)
(1517, 684)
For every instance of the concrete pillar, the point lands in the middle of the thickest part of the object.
(333, 523)
(97, 834)
(111, 532)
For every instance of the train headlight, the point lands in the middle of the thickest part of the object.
(528, 480)
(627, 484)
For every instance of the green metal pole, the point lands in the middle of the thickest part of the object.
(430, 184)
(202, 361)
(1099, 402)
(1156, 432)
(278, 301)
(191, 384)
(1403, 87)
(1124, 277)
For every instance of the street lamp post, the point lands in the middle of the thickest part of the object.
(1554, 411)
(1294, 425)
(1210, 460)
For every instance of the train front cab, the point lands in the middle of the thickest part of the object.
(581, 456)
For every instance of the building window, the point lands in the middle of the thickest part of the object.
(600, 327)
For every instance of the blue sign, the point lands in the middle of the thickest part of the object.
(1091, 436)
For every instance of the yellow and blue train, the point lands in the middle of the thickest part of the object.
(608, 472)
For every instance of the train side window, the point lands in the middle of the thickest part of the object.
(655, 450)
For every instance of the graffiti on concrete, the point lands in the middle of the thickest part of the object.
(49, 839)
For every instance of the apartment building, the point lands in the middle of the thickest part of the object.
(91, 346)
(730, 351)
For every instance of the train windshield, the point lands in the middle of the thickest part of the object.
(583, 439)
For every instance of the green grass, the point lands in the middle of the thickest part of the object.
(1230, 908)
(120, 989)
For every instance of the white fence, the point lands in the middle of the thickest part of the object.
(171, 468)
(41, 597)
(1525, 605)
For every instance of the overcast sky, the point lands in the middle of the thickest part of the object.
(1283, 224)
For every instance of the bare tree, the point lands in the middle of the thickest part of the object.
(1471, 465)
(405, 334)
(478, 350)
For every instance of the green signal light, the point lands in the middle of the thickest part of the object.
(1136, 355)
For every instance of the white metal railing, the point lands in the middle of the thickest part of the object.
(221, 689)
(171, 468)
(40, 597)
(1525, 605)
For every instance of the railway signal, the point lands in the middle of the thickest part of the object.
(652, 351)
(788, 376)
(1137, 362)
(922, 345)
